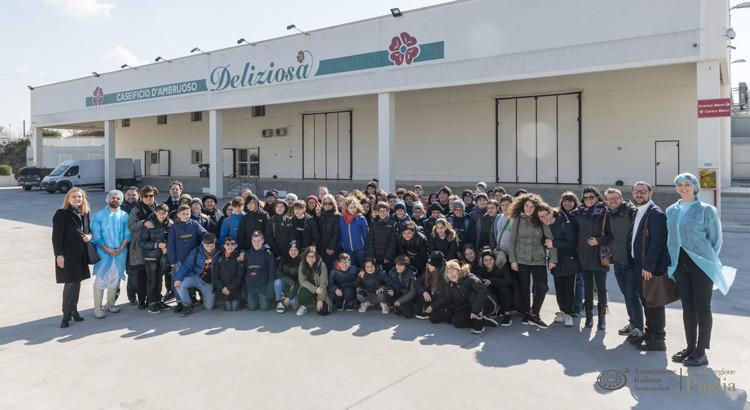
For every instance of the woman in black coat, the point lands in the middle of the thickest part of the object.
(70, 233)
(328, 230)
(564, 240)
(588, 219)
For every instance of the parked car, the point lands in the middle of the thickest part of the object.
(32, 177)
(89, 173)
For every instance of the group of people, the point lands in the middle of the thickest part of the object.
(472, 260)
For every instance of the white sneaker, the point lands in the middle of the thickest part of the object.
(568, 321)
(280, 308)
(363, 307)
(385, 309)
(560, 317)
(302, 310)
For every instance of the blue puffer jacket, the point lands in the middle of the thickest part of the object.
(183, 238)
(260, 268)
(193, 264)
(342, 279)
(354, 235)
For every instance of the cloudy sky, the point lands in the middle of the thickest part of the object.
(46, 41)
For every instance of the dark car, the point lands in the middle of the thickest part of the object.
(32, 177)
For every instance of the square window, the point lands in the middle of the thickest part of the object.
(196, 116)
(161, 119)
(125, 122)
(259, 111)
(196, 157)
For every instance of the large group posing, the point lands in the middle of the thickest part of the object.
(472, 260)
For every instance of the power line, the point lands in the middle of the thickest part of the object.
(24, 75)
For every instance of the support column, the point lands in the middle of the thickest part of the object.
(215, 152)
(386, 141)
(38, 144)
(110, 164)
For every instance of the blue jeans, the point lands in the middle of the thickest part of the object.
(358, 257)
(627, 282)
(349, 295)
(257, 298)
(578, 304)
(231, 305)
(207, 290)
(279, 288)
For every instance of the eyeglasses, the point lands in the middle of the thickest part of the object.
(149, 196)
(640, 192)
(589, 197)
(327, 204)
(230, 244)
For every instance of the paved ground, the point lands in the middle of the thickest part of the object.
(266, 360)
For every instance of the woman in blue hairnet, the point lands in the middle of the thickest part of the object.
(694, 242)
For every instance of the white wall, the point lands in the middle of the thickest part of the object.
(448, 134)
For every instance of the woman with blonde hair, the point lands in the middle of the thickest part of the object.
(71, 231)
(468, 299)
(353, 228)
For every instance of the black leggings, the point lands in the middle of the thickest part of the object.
(695, 288)
(305, 297)
(591, 276)
(539, 273)
(407, 308)
(437, 315)
(565, 293)
(462, 316)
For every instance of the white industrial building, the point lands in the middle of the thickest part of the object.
(534, 92)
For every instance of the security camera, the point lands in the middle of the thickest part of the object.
(730, 33)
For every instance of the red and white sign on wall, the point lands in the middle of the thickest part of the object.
(719, 107)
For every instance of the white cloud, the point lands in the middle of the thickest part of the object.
(121, 55)
(82, 8)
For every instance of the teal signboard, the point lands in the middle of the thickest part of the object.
(403, 50)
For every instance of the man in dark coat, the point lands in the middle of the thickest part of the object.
(649, 257)
(381, 239)
(255, 219)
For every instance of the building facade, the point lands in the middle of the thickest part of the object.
(544, 92)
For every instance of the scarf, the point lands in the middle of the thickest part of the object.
(594, 213)
(349, 218)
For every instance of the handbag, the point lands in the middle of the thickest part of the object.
(92, 254)
(659, 290)
(605, 251)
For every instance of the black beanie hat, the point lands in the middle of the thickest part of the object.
(435, 207)
(436, 259)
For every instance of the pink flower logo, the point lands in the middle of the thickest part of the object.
(98, 96)
(403, 48)
(300, 57)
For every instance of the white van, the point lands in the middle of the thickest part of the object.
(89, 173)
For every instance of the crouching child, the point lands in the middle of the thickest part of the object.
(229, 273)
(400, 292)
(196, 273)
(371, 286)
(342, 284)
(260, 268)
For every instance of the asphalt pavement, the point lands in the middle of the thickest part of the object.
(245, 359)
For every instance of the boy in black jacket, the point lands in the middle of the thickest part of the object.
(400, 291)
